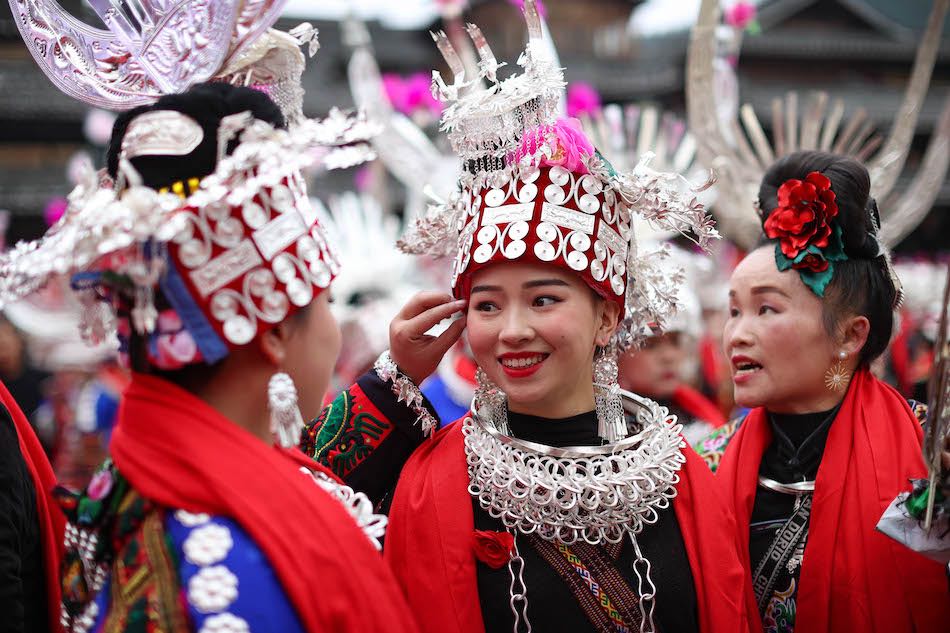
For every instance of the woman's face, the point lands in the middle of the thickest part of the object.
(775, 339)
(312, 346)
(533, 329)
(654, 370)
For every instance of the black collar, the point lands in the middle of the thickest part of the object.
(576, 430)
(798, 444)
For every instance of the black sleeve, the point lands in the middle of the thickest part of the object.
(365, 436)
(16, 500)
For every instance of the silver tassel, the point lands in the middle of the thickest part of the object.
(611, 420)
(286, 423)
(492, 400)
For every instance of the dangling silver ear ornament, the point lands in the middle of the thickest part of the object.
(491, 399)
(611, 421)
(286, 423)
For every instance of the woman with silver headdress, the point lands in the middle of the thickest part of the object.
(541, 508)
(200, 246)
(216, 272)
(826, 446)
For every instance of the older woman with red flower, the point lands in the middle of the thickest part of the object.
(826, 446)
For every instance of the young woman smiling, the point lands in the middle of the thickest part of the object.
(540, 508)
(502, 518)
(826, 446)
(533, 329)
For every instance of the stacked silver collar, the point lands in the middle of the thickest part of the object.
(596, 494)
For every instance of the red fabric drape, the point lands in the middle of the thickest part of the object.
(853, 578)
(52, 522)
(431, 530)
(698, 406)
(176, 450)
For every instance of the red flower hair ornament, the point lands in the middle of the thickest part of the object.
(802, 224)
(493, 548)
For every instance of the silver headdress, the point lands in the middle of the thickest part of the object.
(624, 133)
(102, 222)
(402, 147)
(158, 47)
(485, 125)
(486, 128)
(742, 153)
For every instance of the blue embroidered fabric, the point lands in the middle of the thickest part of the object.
(234, 583)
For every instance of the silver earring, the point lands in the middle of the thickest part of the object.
(611, 421)
(286, 423)
(492, 400)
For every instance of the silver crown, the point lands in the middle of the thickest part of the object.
(151, 47)
(485, 124)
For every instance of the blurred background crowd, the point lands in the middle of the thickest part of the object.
(784, 68)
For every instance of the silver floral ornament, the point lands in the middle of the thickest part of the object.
(208, 544)
(190, 519)
(212, 589)
(225, 623)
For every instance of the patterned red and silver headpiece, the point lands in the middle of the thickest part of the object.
(212, 263)
(233, 258)
(535, 189)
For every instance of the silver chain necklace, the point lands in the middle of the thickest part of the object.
(590, 494)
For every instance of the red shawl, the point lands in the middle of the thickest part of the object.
(181, 453)
(431, 531)
(698, 406)
(853, 578)
(52, 521)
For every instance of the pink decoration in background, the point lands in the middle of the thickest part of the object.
(396, 91)
(54, 210)
(582, 98)
(567, 144)
(419, 94)
(456, 6)
(363, 178)
(411, 94)
(542, 10)
(740, 15)
(100, 485)
(97, 126)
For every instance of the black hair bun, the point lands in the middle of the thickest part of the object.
(851, 185)
(207, 104)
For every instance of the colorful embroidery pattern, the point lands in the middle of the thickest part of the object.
(713, 447)
(919, 409)
(131, 543)
(144, 586)
(602, 598)
(780, 612)
(609, 603)
(346, 433)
